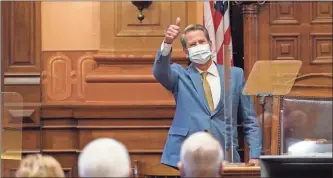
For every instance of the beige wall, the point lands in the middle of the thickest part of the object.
(76, 26)
(68, 26)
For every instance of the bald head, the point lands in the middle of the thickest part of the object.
(201, 156)
(104, 157)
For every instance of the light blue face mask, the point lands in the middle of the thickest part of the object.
(200, 54)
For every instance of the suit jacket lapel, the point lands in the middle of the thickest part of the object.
(197, 82)
(220, 105)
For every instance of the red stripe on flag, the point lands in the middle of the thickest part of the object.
(219, 56)
(227, 37)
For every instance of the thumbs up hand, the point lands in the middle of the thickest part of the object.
(172, 32)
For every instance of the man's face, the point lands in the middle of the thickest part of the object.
(194, 38)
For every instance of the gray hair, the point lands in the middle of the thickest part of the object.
(104, 157)
(201, 155)
(193, 27)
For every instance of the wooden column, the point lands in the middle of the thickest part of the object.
(251, 36)
(251, 39)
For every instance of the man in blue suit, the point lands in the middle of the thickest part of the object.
(198, 92)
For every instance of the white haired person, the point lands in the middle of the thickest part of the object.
(104, 157)
(201, 155)
(38, 165)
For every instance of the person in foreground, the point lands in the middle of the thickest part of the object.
(201, 155)
(104, 157)
(198, 92)
(38, 165)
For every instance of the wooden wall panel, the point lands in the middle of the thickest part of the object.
(292, 31)
(63, 76)
(297, 31)
(145, 140)
(123, 34)
(21, 37)
(21, 53)
(21, 60)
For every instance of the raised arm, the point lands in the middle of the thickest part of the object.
(251, 127)
(165, 73)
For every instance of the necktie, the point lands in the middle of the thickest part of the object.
(208, 92)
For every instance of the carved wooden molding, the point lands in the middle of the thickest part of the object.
(123, 127)
(15, 113)
(252, 9)
(23, 116)
(108, 111)
(321, 45)
(314, 75)
(22, 80)
(91, 127)
(115, 104)
(100, 78)
(321, 12)
(109, 59)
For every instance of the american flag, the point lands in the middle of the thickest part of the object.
(217, 22)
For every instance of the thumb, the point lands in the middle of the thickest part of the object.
(178, 21)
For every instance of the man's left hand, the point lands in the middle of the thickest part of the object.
(254, 162)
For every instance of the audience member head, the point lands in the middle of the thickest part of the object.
(201, 155)
(39, 166)
(296, 124)
(104, 157)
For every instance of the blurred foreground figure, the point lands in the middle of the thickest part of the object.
(201, 156)
(104, 157)
(39, 166)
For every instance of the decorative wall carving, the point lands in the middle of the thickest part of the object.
(122, 34)
(283, 13)
(321, 45)
(63, 75)
(285, 46)
(307, 38)
(321, 12)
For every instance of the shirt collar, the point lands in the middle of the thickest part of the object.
(211, 70)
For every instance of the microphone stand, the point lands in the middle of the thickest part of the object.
(262, 103)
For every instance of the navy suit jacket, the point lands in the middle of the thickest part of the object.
(192, 111)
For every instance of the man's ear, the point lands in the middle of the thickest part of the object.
(185, 52)
(211, 45)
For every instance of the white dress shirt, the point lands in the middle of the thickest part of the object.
(213, 76)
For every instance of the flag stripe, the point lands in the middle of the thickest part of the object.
(208, 19)
(217, 22)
